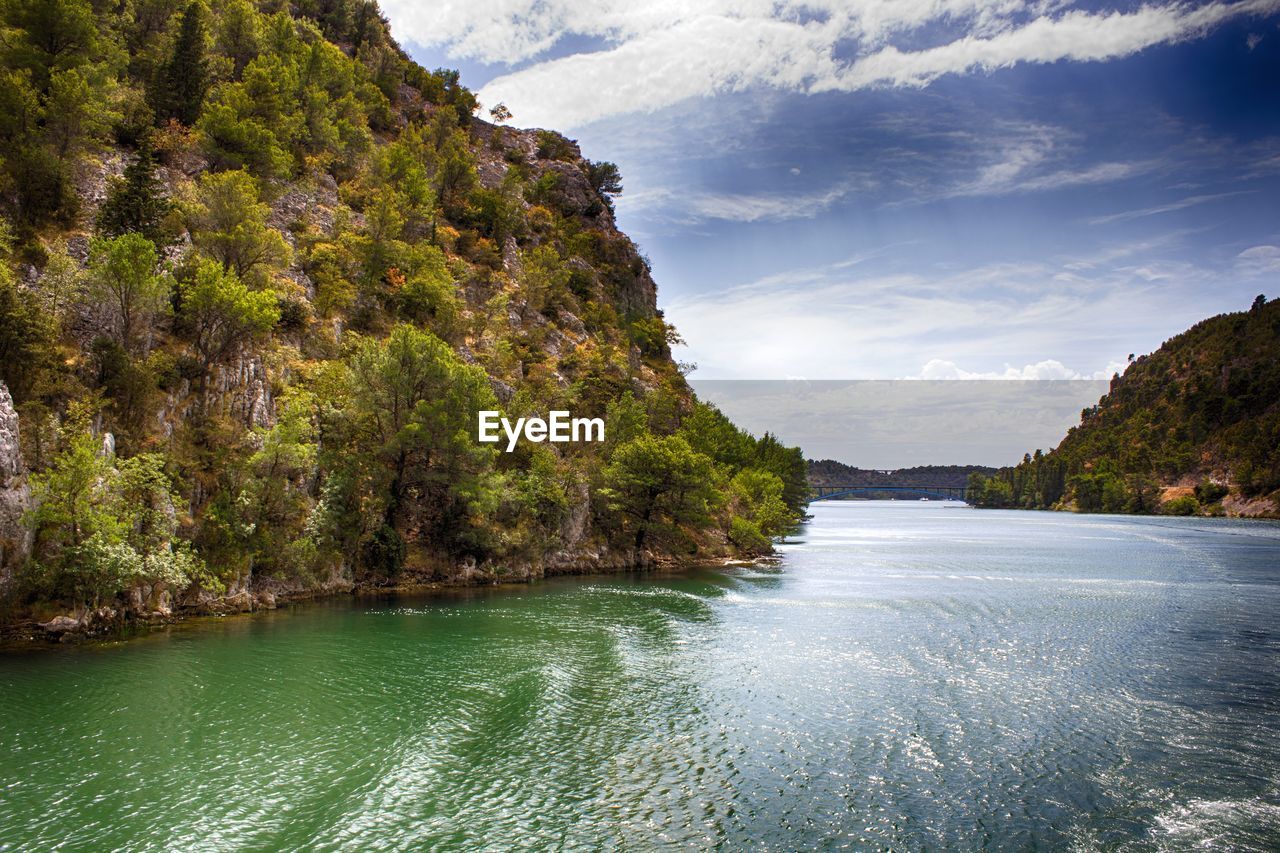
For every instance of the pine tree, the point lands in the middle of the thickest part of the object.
(135, 201)
(184, 78)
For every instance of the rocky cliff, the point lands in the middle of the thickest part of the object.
(15, 494)
(283, 267)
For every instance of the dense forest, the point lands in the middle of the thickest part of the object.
(258, 273)
(1193, 428)
(828, 472)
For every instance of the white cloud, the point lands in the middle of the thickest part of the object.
(1051, 368)
(1258, 262)
(1075, 35)
(660, 53)
(754, 208)
(512, 31)
(865, 322)
(691, 58)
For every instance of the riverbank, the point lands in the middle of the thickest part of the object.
(112, 624)
(1257, 510)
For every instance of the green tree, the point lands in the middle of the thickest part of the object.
(239, 34)
(28, 340)
(546, 279)
(789, 465)
(709, 432)
(47, 34)
(234, 140)
(627, 420)
(429, 296)
(78, 108)
(229, 224)
(275, 501)
(39, 184)
(101, 528)
(67, 489)
(381, 244)
(223, 314)
(455, 174)
(606, 180)
(184, 79)
(758, 498)
(413, 406)
(658, 484)
(19, 107)
(123, 276)
(62, 282)
(136, 201)
(1182, 505)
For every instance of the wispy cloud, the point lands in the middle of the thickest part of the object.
(1003, 159)
(658, 54)
(1258, 261)
(1181, 204)
(691, 207)
(740, 207)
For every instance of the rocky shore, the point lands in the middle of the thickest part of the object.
(149, 607)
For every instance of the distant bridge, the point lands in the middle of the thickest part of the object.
(945, 493)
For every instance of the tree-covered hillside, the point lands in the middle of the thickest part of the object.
(1192, 428)
(259, 271)
(828, 472)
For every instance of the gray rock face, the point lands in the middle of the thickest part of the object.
(10, 453)
(15, 494)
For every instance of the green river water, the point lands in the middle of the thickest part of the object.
(907, 676)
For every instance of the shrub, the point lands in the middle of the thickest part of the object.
(1209, 492)
(747, 537)
(1184, 505)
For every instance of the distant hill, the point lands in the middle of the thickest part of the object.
(1193, 428)
(828, 472)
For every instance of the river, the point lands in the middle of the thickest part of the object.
(907, 675)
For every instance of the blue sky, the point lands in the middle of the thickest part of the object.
(852, 189)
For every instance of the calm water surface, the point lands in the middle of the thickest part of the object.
(910, 675)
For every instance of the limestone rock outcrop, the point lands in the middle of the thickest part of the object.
(15, 494)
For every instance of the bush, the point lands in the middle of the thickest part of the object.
(553, 146)
(1185, 505)
(384, 553)
(294, 314)
(1210, 493)
(747, 537)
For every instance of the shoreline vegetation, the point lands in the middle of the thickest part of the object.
(1191, 429)
(274, 595)
(259, 273)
